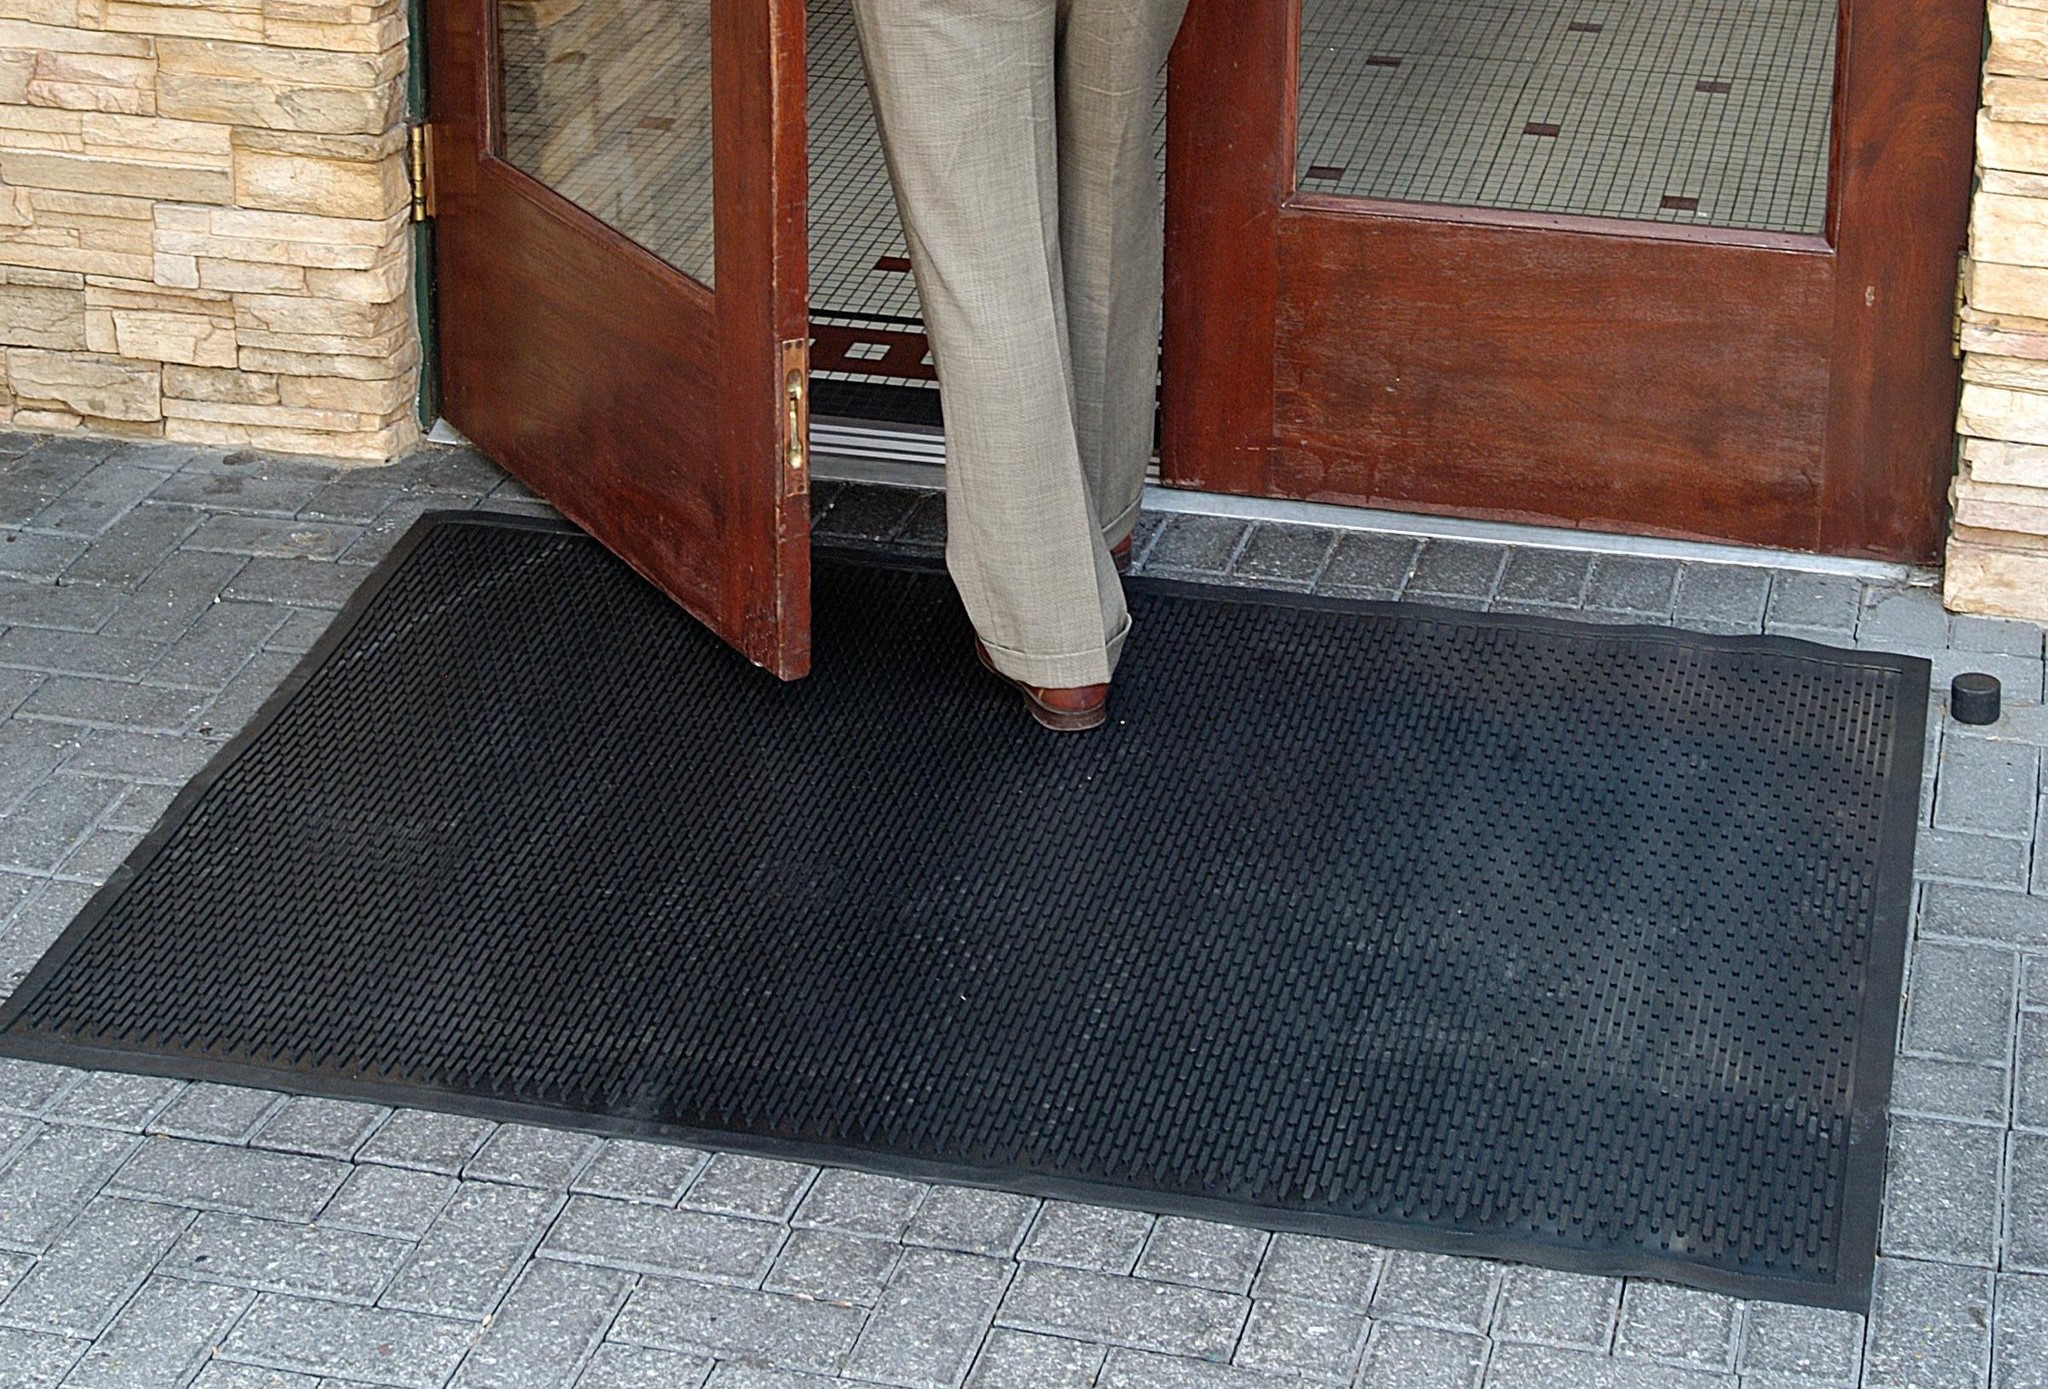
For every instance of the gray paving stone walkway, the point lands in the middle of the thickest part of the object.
(165, 1234)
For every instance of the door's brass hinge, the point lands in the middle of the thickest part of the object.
(1955, 332)
(796, 417)
(419, 168)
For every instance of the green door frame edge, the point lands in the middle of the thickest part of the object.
(427, 399)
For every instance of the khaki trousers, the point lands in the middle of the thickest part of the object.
(1018, 136)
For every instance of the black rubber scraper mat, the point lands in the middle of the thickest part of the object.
(1494, 935)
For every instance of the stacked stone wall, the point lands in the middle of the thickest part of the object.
(203, 230)
(1998, 552)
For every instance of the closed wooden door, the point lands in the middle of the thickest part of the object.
(1664, 266)
(620, 253)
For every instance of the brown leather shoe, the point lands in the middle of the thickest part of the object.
(1073, 709)
(1121, 554)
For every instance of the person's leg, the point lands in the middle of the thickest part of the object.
(1111, 52)
(963, 95)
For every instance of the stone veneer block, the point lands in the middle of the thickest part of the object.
(202, 223)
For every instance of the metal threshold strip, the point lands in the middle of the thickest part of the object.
(891, 456)
(908, 456)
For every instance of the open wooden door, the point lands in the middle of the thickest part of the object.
(1683, 269)
(620, 261)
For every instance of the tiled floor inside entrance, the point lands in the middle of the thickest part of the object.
(164, 1234)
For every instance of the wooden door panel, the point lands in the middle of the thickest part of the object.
(1764, 388)
(1530, 373)
(595, 440)
(652, 409)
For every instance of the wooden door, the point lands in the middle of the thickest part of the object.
(1792, 388)
(620, 263)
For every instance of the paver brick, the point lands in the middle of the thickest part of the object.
(28, 1087)
(400, 1202)
(93, 1267)
(1633, 584)
(111, 1100)
(1550, 1307)
(1284, 556)
(1077, 1235)
(1721, 598)
(1971, 913)
(2030, 1081)
(1930, 1327)
(113, 704)
(695, 1245)
(166, 1332)
(134, 547)
(833, 1267)
(276, 1256)
(299, 537)
(1023, 1360)
(1548, 1367)
(618, 1366)
(1368, 564)
(1813, 1342)
(860, 1203)
(298, 583)
(54, 652)
(54, 819)
(1195, 545)
(95, 860)
(35, 1359)
(225, 1374)
(1985, 786)
(1662, 1322)
(64, 607)
(1314, 1269)
(237, 703)
(1972, 858)
(1124, 1311)
(1401, 1356)
(1437, 1289)
(368, 1345)
(422, 1139)
(1970, 632)
(114, 752)
(734, 1375)
(53, 1179)
(1941, 1192)
(972, 1221)
(217, 646)
(1814, 601)
(1136, 1369)
(760, 1188)
(212, 1176)
(265, 488)
(1960, 1000)
(98, 499)
(216, 1113)
(526, 1155)
(549, 1324)
(1929, 1086)
(1911, 620)
(1313, 1340)
(738, 1323)
(1202, 1254)
(2026, 1238)
(631, 1170)
(930, 1320)
(1551, 578)
(473, 1250)
(37, 556)
(2019, 1333)
(319, 1127)
(1456, 569)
